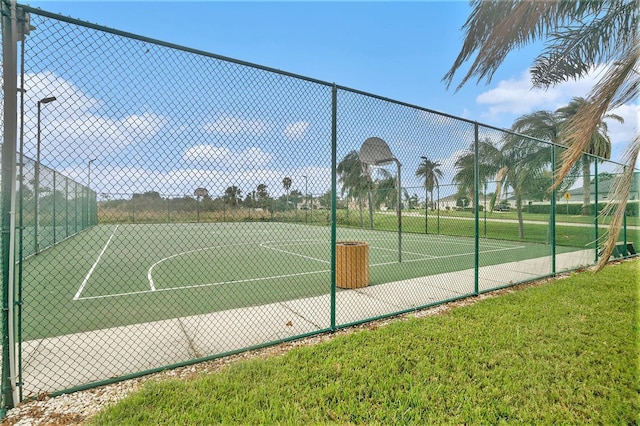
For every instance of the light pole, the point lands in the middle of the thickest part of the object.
(306, 197)
(89, 189)
(36, 186)
(426, 197)
(89, 172)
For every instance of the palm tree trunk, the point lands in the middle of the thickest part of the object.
(519, 210)
(586, 185)
(361, 213)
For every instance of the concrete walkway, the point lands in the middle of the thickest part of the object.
(67, 361)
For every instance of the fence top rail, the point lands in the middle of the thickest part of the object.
(106, 29)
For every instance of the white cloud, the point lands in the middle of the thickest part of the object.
(224, 157)
(516, 96)
(71, 126)
(624, 133)
(295, 131)
(229, 125)
(205, 153)
(121, 182)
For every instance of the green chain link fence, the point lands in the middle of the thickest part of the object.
(225, 206)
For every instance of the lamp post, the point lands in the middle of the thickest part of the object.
(89, 172)
(306, 197)
(426, 199)
(89, 189)
(36, 186)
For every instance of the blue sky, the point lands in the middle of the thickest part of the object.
(399, 50)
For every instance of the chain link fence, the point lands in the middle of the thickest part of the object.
(225, 206)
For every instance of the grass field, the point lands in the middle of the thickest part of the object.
(112, 275)
(562, 353)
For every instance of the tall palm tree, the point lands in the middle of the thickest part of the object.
(263, 195)
(465, 168)
(522, 163)
(286, 183)
(353, 180)
(232, 194)
(577, 36)
(599, 144)
(430, 172)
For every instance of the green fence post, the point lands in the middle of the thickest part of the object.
(334, 152)
(552, 219)
(476, 177)
(625, 252)
(485, 209)
(438, 220)
(8, 188)
(595, 212)
(53, 219)
(75, 206)
(66, 207)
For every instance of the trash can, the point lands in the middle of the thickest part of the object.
(352, 264)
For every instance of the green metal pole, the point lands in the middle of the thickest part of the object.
(624, 226)
(8, 188)
(552, 219)
(18, 302)
(66, 206)
(75, 207)
(624, 233)
(426, 210)
(334, 221)
(476, 174)
(399, 202)
(54, 208)
(595, 210)
(438, 222)
(485, 210)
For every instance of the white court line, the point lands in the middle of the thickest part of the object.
(151, 283)
(420, 238)
(86, 279)
(153, 288)
(428, 256)
(445, 257)
(205, 285)
(292, 253)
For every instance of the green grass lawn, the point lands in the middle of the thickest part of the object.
(562, 353)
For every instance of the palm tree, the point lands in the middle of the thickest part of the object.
(577, 35)
(354, 182)
(232, 195)
(286, 183)
(262, 194)
(599, 145)
(431, 173)
(465, 168)
(521, 164)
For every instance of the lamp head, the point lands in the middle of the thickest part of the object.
(47, 100)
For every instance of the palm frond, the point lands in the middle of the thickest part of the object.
(617, 204)
(605, 96)
(572, 51)
(495, 28)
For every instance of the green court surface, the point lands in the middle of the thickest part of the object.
(114, 275)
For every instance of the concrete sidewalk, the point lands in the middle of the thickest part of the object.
(72, 360)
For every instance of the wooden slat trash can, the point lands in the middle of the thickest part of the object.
(352, 264)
